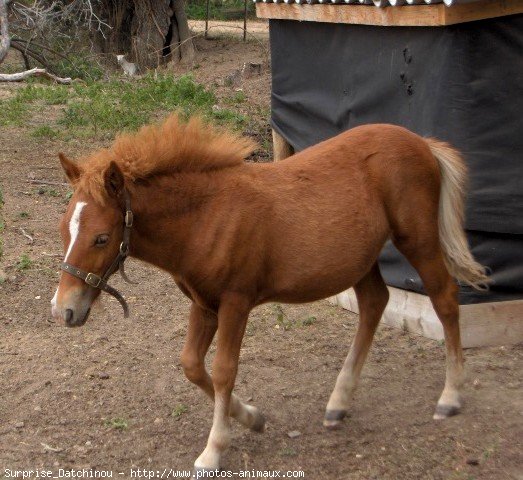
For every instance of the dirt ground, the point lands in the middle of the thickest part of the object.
(112, 395)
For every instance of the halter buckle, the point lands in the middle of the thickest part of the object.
(124, 249)
(129, 218)
(93, 280)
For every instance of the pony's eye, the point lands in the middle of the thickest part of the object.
(101, 240)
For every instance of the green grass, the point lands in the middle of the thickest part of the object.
(285, 323)
(117, 423)
(44, 190)
(236, 99)
(103, 108)
(79, 66)
(44, 131)
(288, 452)
(22, 215)
(24, 263)
(179, 410)
(14, 111)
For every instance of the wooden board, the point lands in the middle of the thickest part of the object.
(404, 16)
(482, 324)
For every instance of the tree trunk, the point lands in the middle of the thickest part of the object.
(150, 26)
(5, 40)
(148, 32)
(179, 18)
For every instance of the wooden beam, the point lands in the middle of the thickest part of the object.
(281, 148)
(482, 324)
(403, 16)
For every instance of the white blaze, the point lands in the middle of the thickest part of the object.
(74, 226)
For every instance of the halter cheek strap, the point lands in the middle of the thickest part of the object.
(96, 281)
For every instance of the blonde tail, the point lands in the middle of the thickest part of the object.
(458, 258)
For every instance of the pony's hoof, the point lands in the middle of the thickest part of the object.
(334, 418)
(445, 411)
(202, 472)
(259, 423)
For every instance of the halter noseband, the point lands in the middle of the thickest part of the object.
(96, 281)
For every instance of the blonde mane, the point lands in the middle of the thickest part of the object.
(168, 147)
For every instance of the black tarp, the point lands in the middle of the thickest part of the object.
(461, 83)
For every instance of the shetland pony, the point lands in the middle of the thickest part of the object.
(235, 235)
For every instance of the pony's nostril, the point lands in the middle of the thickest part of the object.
(68, 315)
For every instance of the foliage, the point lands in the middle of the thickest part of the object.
(79, 66)
(218, 10)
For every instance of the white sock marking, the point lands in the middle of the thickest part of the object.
(74, 226)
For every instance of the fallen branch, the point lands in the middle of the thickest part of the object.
(48, 448)
(48, 182)
(54, 255)
(38, 72)
(26, 235)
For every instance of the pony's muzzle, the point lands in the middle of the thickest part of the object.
(75, 320)
(72, 309)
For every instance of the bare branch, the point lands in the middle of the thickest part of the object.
(39, 72)
(26, 235)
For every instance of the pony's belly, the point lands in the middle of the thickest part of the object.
(312, 285)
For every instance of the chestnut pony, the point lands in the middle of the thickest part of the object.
(234, 235)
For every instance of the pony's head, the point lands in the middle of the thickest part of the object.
(91, 232)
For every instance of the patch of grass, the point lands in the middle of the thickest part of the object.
(44, 131)
(117, 423)
(118, 105)
(282, 321)
(179, 410)
(48, 94)
(288, 452)
(308, 321)
(24, 262)
(103, 108)
(236, 99)
(22, 215)
(80, 66)
(224, 115)
(44, 190)
(14, 111)
(281, 318)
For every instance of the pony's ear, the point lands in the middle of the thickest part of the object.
(72, 170)
(114, 180)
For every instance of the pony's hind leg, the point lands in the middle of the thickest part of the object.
(202, 328)
(443, 293)
(372, 295)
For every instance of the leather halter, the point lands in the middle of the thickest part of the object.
(96, 281)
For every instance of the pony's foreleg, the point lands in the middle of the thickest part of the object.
(201, 331)
(372, 295)
(232, 319)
